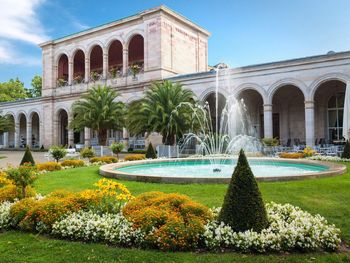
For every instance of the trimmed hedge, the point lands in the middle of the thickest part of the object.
(134, 157)
(346, 151)
(151, 154)
(27, 157)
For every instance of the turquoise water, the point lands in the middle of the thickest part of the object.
(204, 168)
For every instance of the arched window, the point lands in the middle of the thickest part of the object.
(79, 67)
(62, 70)
(335, 117)
(136, 54)
(115, 59)
(96, 63)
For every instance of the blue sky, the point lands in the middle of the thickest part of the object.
(243, 32)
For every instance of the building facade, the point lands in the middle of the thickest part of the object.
(299, 100)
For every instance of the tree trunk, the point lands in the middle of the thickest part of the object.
(102, 137)
(169, 139)
(23, 191)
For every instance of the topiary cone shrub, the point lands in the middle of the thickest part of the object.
(243, 207)
(27, 157)
(151, 154)
(346, 152)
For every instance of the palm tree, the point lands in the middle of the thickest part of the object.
(6, 123)
(99, 111)
(161, 111)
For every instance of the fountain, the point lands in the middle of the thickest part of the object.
(218, 139)
(224, 135)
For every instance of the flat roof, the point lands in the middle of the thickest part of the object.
(125, 20)
(296, 61)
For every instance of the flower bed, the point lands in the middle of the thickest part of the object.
(290, 228)
(328, 158)
(157, 220)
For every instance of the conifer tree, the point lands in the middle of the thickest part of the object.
(243, 207)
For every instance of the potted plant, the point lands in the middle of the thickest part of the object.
(94, 76)
(61, 82)
(78, 79)
(135, 69)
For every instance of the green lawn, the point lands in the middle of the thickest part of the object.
(328, 197)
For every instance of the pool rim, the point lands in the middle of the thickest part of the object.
(109, 171)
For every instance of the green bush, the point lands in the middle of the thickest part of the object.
(22, 177)
(243, 207)
(270, 141)
(346, 151)
(58, 152)
(87, 153)
(151, 154)
(116, 148)
(27, 157)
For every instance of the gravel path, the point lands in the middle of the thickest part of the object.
(15, 157)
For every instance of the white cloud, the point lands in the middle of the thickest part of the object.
(19, 21)
(10, 55)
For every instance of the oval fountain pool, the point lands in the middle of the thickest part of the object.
(217, 170)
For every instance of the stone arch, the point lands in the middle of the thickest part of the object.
(133, 99)
(59, 55)
(22, 120)
(328, 77)
(36, 122)
(210, 90)
(136, 51)
(115, 57)
(287, 98)
(252, 86)
(131, 34)
(287, 82)
(75, 50)
(93, 44)
(253, 98)
(112, 39)
(61, 125)
(96, 53)
(78, 58)
(19, 113)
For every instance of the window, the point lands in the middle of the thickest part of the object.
(335, 117)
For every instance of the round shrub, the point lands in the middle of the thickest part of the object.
(58, 152)
(170, 221)
(49, 166)
(44, 212)
(134, 157)
(19, 209)
(87, 153)
(73, 163)
(11, 193)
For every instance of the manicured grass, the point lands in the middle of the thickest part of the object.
(328, 197)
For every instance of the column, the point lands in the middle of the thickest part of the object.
(87, 70)
(105, 65)
(6, 139)
(17, 139)
(125, 61)
(268, 132)
(87, 137)
(126, 137)
(310, 123)
(70, 72)
(70, 134)
(29, 134)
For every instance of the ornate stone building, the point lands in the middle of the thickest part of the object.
(298, 100)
